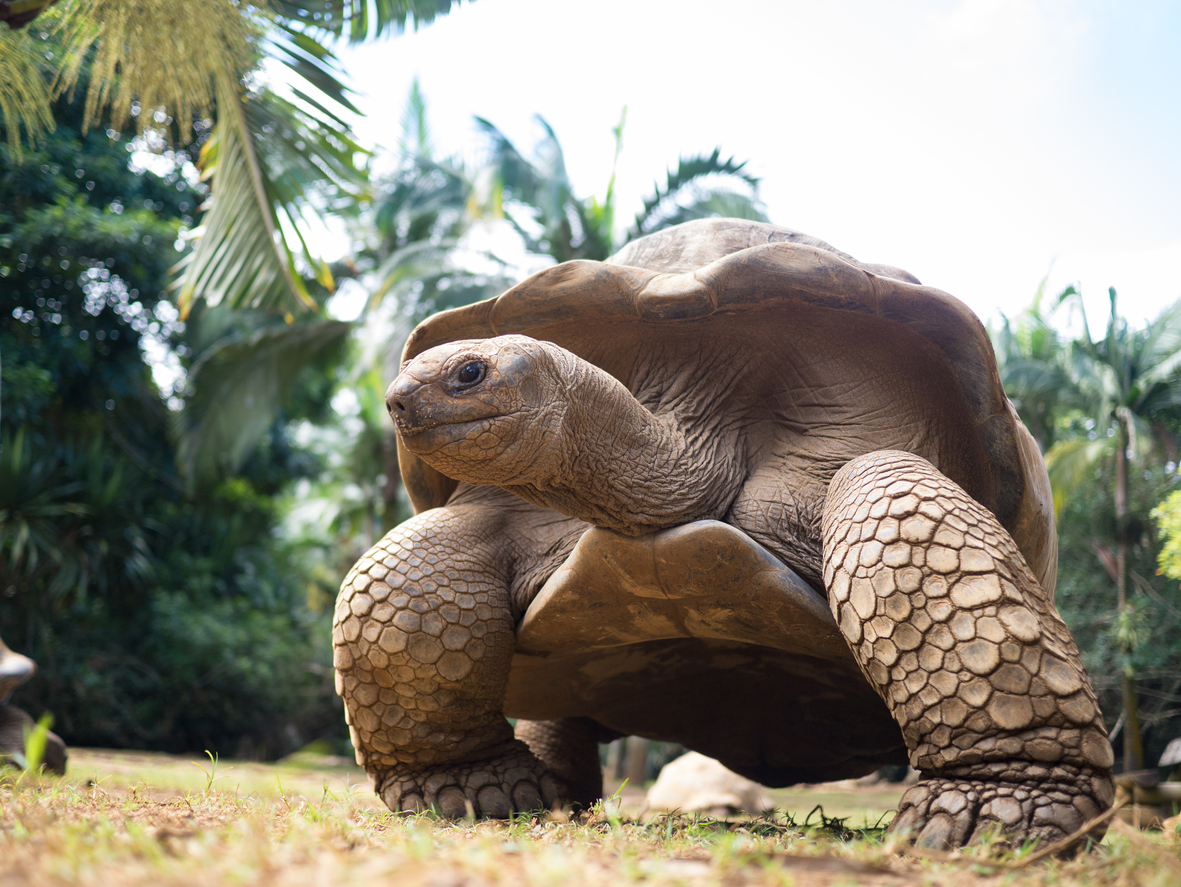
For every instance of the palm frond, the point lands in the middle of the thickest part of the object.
(415, 281)
(716, 204)
(312, 62)
(516, 175)
(690, 171)
(1160, 351)
(306, 163)
(238, 388)
(240, 258)
(360, 20)
(412, 263)
(1068, 461)
(24, 94)
(428, 201)
(155, 59)
(415, 138)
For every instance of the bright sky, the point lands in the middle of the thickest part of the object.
(979, 144)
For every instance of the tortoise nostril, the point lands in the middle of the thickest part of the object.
(401, 406)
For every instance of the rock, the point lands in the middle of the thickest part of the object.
(694, 782)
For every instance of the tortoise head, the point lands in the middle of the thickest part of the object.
(482, 410)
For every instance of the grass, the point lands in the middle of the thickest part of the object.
(141, 819)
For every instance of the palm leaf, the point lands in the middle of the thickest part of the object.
(716, 204)
(428, 200)
(415, 138)
(690, 172)
(238, 388)
(24, 95)
(240, 258)
(1068, 461)
(156, 54)
(1160, 353)
(311, 62)
(515, 175)
(360, 20)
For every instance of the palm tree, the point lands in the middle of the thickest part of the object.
(1032, 356)
(537, 197)
(269, 159)
(1127, 380)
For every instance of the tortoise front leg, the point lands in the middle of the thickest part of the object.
(959, 639)
(423, 639)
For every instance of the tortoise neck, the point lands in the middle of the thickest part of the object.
(624, 468)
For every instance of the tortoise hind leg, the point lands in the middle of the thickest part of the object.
(569, 747)
(423, 638)
(955, 634)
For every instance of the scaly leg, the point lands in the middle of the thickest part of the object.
(423, 639)
(570, 749)
(962, 643)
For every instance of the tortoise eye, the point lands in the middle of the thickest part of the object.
(470, 373)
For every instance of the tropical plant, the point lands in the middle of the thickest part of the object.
(414, 256)
(1032, 356)
(537, 197)
(269, 158)
(1128, 379)
(1168, 524)
(161, 617)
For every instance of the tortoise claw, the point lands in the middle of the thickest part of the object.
(943, 814)
(494, 787)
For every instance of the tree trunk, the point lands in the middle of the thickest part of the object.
(1133, 745)
(615, 759)
(637, 761)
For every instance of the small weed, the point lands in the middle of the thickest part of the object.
(211, 773)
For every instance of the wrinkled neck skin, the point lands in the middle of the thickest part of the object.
(614, 464)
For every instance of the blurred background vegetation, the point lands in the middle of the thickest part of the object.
(194, 441)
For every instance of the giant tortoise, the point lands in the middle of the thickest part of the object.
(734, 489)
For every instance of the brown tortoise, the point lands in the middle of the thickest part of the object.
(733, 489)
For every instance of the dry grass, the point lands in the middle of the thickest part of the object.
(127, 819)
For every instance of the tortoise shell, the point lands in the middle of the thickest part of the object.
(714, 273)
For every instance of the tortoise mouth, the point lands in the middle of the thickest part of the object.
(419, 409)
(432, 435)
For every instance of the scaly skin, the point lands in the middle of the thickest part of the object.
(423, 640)
(570, 748)
(955, 634)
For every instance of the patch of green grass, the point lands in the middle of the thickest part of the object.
(125, 819)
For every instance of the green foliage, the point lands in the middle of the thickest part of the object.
(244, 382)
(1107, 409)
(536, 196)
(1136, 370)
(1031, 355)
(1168, 526)
(361, 20)
(1145, 639)
(24, 94)
(160, 618)
(682, 198)
(178, 69)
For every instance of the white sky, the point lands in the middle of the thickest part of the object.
(978, 143)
